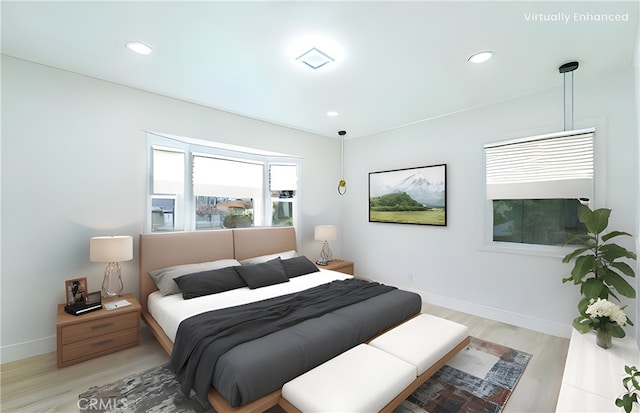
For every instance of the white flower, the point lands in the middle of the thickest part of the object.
(605, 308)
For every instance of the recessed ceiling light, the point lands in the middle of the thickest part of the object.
(315, 58)
(314, 51)
(332, 113)
(139, 47)
(480, 57)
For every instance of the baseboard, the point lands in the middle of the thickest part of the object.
(520, 320)
(21, 351)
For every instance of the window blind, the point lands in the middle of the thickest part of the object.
(283, 177)
(554, 166)
(226, 178)
(168, 171)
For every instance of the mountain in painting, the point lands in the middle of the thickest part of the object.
(423, 190)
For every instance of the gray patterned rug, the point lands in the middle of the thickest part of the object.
(478, 379)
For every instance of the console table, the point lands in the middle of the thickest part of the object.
(592, 378)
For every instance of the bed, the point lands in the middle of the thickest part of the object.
(249, 376)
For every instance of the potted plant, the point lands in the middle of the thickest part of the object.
(598, 268)
(631, 383)
(605, 318)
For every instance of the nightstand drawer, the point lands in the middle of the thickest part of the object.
(339, 265)
(99, 344)
(98, 327)
(347, 269)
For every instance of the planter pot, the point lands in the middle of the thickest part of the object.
(603, 338)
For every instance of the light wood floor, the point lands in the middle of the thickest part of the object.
(36, 385)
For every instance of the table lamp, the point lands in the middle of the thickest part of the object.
(112, 250)
(324, 233)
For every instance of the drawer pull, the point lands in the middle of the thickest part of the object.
(101, 343)
(99, 326)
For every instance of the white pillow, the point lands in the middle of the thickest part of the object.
(163, 277)
(264, 258)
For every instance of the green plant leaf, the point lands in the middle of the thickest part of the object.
(582, 306)
(592, 288)
(573, 254)
(620, 284)
(630, 370)
(612, 234)
(582, 324)
(611, 293)
(626, 402)
(596, 221)
(611, 252)
(617, 331)
(624, 268)
(583, 266)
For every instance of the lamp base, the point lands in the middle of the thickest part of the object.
(112, 285)
(325, 253)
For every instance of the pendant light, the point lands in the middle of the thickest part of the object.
(567, 70)
(342, 185)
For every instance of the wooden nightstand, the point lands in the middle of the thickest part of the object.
(339, 265)
(97, 333)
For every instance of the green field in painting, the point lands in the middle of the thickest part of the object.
(434, 216)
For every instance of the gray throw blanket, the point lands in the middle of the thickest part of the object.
(203, 338)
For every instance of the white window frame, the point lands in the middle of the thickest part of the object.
(184, 217)
(486, 242)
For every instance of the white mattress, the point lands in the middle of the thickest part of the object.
(170, 310)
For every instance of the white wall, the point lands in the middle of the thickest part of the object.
(74, 166)
(448, 264)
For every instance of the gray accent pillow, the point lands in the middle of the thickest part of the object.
(163, 277)
(300, 265)
(263, 274)
(209, 282)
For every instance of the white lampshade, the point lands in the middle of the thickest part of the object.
(325, 233)
(111, 249)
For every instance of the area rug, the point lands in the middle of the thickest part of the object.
(478, 379)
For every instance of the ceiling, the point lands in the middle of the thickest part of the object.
(402, 62)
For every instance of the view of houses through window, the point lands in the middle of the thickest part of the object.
(201, 185)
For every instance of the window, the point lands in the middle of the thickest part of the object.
(282, 185)
(227, 192)
(167, 186)
(195, 186)
(536, 184)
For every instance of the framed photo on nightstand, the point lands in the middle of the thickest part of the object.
(75, 291)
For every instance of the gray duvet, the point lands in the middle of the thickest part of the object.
(255, 368)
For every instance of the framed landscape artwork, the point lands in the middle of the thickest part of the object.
(409, 196)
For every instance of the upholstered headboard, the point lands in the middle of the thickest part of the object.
(165, 249)
(253, 242)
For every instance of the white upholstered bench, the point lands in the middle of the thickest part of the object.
(377, 376)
